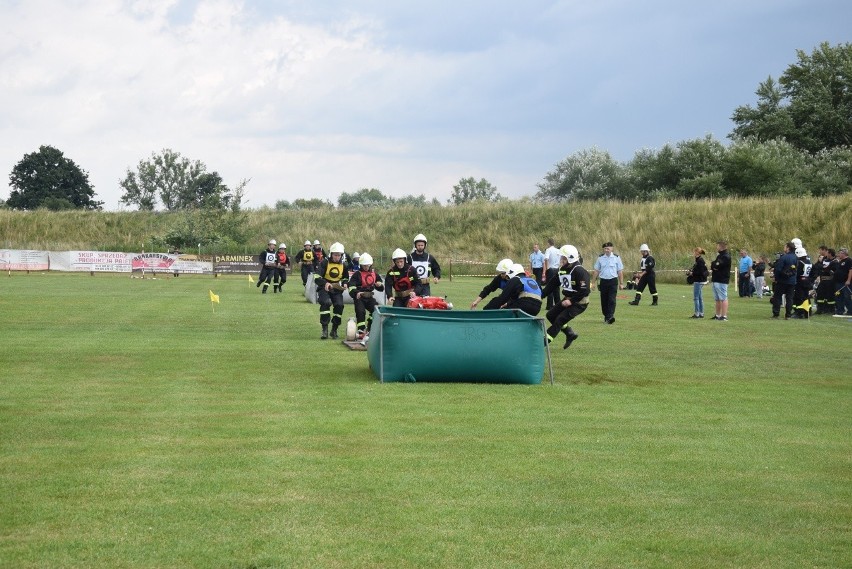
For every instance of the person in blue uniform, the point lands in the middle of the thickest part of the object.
(610, 269)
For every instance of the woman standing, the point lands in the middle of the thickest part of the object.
(697, 275)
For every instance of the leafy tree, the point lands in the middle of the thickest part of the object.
(653, 173)
(753, 168)
(313, 203)
(411, 200)
(468, 189)
(365, 197)
(585, 175)
(177, 183)
(812, 105)
(48, 179)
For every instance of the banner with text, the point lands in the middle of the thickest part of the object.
(24, 260)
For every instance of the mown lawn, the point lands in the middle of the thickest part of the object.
(142, 429)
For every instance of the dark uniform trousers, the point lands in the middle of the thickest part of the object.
(327, 300)
(609, 291)
(559, 317)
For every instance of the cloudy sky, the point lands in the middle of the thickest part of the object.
(311, 98)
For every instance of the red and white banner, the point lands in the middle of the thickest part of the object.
(91, 261)
(23, 260)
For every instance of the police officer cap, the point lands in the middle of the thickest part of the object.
(607, 244)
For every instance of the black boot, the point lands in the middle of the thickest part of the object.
(324, 332)
(635, 301)
(334, 332)
(570, 337)
(654, 302)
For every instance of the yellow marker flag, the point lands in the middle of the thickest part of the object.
(214, 297)
(251, 280)
(806, 305)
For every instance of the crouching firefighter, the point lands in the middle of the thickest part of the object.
(521, 292)
(331, 279)
(575, 283)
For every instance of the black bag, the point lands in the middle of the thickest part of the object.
(689, 278)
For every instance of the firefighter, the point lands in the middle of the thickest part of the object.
(268, 260)
(824, 267)
(331, 280)
(575, 283)
(283, 261)
(319, 255)
(804, 283)
(305, 258)
(362, 285)
(647, 276)
(497, 283)
(354, 263)
(521, 291)
(425, 265)
(401, 278)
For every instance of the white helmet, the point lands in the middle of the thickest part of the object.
(336, 247)
(356, 255)
(796, 241)
(517, 269)
(420, 237)
(272, 242)
(398, 254)
(570, 252)
(504, 266)
(801, 252)
(307, 242)
(317, 242)
(282, 246)
(366, 259)
(644, 247)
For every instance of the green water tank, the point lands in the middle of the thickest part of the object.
(481, 346)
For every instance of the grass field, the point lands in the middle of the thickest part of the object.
(142, 429)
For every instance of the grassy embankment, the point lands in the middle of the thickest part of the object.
(481, 231)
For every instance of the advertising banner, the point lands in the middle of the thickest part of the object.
(236, 264)
(92, 261)
(23, 260)
(166, 263)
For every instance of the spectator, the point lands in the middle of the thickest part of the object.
(720, 275)
(552, 262)
(842, 279)
(537, 263)
(744, 273)
(784, 275)
(698, 276)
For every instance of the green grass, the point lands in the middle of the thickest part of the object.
(141, 429)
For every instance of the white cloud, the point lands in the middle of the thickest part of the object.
(312, 99)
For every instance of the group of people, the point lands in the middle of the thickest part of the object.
(796, 280)
(336, 274)
(566, 286)
(559, 279)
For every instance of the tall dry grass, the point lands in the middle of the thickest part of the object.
(486, 231)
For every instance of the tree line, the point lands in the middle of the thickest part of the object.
(796, 140)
